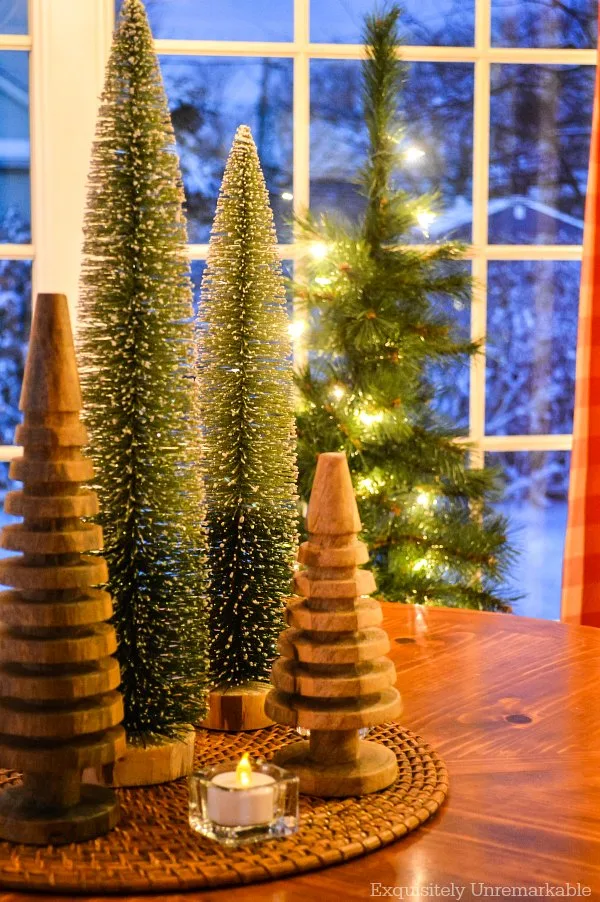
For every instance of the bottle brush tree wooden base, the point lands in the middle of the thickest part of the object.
(149, 761)
(60, 710)
(332, 677)
(238, 708)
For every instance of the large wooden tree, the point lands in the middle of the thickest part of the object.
(59, 708)
(137, 356)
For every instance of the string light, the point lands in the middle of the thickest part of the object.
(424, 499)
(319, 250)
(287, 195)
(366, 485)
(338, 392)
(296, 328)
(323, 280)
(413, 154)
(367, 419)
(425, 218)
(421, 564)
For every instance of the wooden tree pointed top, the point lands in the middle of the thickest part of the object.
(332, 508)
(51, 381)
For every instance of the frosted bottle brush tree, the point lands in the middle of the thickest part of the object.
(245, 375)
(377, 328)
(137, 351)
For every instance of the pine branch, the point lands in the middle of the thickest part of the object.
(375, 305)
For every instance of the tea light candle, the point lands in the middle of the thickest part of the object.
(241, 797)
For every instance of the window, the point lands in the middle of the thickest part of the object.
(498, 105)
(16, 251)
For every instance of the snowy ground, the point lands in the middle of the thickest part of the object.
(539, 535)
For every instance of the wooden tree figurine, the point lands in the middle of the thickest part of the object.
(59, 708)
(332, 677)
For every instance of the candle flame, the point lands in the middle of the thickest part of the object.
(243, 772)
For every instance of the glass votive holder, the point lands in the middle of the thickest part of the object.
(221, 809)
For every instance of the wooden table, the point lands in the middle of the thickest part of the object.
(513, 705)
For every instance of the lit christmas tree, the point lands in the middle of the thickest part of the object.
(375, 328)
(137, 350)
(246, 386)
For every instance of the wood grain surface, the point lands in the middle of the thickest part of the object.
(237, 708)
(513, 706)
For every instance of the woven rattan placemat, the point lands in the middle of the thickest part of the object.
(154, 850)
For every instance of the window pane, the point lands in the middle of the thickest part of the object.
(425, 22)
(209, 97)
(15, 208)
(541, 119)
(544, 23)
(13, 16)
(226, 20)
(531, 347)
(15, 314)
(451, 380)
(536, 506)
(437, 106)
(198, 267)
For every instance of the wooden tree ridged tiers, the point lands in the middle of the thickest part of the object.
(333, 677)
(60, 710)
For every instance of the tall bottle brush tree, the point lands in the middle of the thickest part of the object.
(246, 382)
(376, 326)
(137, 348)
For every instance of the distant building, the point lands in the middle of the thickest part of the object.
(512, 220)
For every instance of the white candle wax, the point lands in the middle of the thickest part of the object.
(231, 805)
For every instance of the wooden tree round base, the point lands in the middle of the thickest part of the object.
(148, 762)
(22, 821)
(375, 769)
(238, 708)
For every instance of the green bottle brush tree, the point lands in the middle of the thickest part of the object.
(246, 387)
(137, 352)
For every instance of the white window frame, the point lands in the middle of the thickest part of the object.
(69, 45)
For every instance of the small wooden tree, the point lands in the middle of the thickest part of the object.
(59, 708)
(332, 677)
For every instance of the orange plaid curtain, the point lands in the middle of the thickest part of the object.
(581, 570)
